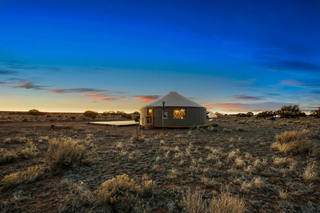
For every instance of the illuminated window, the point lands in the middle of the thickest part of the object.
(149, 112)
(179, 113)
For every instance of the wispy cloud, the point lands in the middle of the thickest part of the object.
(241, 107)
(76, 90)
(310, 83)
(9, 100)
(7, 72)
(20, 65)
(146, 98)
(22, 84)
(247, 97)
(297, 65)
(278, 64)
(26, 85)
(227, 106)
(97, 97)
(291, 82)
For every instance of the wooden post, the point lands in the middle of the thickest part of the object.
(163, 102)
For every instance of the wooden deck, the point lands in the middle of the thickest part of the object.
(115, 123)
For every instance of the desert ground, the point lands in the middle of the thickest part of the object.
(243, 162)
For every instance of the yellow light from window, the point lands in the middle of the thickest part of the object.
(179, 114)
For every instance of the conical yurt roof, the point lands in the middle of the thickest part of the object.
(173, 99)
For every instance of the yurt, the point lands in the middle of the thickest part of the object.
(172, 110)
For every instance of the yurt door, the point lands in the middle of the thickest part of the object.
(149, 117)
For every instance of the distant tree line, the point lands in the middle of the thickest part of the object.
(94, 114)
(315, 113)
(291, 111)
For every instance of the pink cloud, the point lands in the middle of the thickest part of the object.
(227, 106)
(240, 107)
(146, 99)
(58, 91)
(96, 97)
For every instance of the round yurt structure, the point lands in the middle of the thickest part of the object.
(172, 110)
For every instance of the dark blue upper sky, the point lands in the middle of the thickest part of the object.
(228, 55)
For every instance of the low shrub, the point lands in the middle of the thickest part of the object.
(29, 151)
(91, 114)
(78, 196)
(35, 112)
(64, 152)
(124, 190)
(7, 156)
(30, 175)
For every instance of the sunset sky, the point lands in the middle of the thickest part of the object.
(230, 56)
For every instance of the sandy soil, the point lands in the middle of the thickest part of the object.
(176, 159)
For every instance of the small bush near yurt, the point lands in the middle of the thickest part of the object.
(91, 114)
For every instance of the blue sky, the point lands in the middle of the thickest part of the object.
(230, 56)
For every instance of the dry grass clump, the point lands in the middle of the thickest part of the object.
(257, 163)
(167, 154)
(28, 152)
(245, 186)
(208, 182)
(239, 162)
(231, 155)
(258, 182)
(283, 194)
(122, 189)
(226, 130)
(310, 173)
(295, 141)
(63, 153)
(249, 169)
(279, 161)
(162, 142)
(7, 140)
(31, 174)
(226, 203)
(193, 202)
(7, 156)
(173, 174)
(178, 155)
(42, 139)
(157, 168)
(119, 145)
(117, 189)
